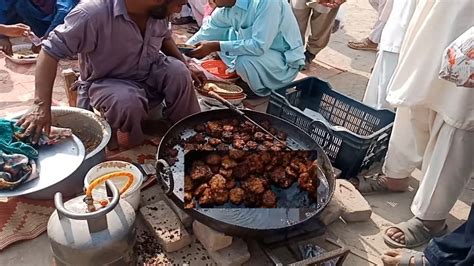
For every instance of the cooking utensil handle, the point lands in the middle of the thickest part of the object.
(330, 132)
(225, 102)
(164, 171)
(59, 204)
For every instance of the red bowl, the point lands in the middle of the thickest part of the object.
(218, 68)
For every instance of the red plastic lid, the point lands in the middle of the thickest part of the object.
(218, 68)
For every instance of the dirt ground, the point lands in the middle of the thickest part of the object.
(347, 71)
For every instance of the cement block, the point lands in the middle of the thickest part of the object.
(186, 220)
(165, 226)
(354, 206)
(233, 255)
(210, 238)
(331, 213)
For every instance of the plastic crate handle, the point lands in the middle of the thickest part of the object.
(330, 132)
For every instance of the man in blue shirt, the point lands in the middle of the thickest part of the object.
(259, 39)
(41, 15)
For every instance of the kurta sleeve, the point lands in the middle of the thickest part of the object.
(215, 30)
(76, 35)
(5, 6)
(263, 32)
(63, 7)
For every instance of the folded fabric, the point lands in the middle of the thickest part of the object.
(10, 144)
(14, 141)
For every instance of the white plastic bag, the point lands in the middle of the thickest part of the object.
(458, 61)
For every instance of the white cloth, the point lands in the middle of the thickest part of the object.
(396, 25)
(389, 48)
(376, 92)
(382, 16)
(198, 8)
(435, 24)
(420, 137)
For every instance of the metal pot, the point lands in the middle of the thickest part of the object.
(88, 124)
(103, 237)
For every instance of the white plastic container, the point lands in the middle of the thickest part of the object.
(132, 195)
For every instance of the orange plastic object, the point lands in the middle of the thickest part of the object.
(103, 178)
(218, 68)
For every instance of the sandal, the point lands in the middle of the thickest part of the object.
(364, 45)
(416, 234)
(371, 184)
(418, 257)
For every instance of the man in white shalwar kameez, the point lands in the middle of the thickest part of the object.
(389, 52)
(434, 125)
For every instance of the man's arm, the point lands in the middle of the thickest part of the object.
(169, 48)
(76, 35)
(63, 7)
(216, 29)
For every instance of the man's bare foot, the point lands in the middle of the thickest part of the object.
(433, 226)
(394, 257)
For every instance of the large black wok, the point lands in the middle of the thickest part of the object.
(244, 222)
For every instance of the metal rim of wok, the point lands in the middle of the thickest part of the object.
(225, 220)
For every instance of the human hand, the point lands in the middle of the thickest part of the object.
(332, 3)
(198, 76)
(16, 30)
(36, 120)
(35, 49)
(6, 46)
(203, 49)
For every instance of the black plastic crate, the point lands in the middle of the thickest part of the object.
(354, 135)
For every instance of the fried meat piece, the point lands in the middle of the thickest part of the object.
(251, 145)
(213, 159)
(255, 185)
(228, 128)
(200, 190)
(255, 164)
(273, 131)
(269, 137)
(214, 142)
(262, 148)
(278, 176)
(207, 147)
(214, 129)
(215, 169)
(268, 144)
(188, 196)
(269, 199)
(226, 173)
(237, 155)
(266, 157)
(241, 171)
(198, 138)
(308, 183)
(200, 128)
(291, 173)
(223, 147)
(206, 198)
(227, 137)
(200, 171)
(237, 195)
(217, 183)
(220, 197)
(259, 136)
(252, 200)
(230, 184)
(188, 183)
(190, 147)
(239, 144)
(275, 148)
(243, 136)
(228, 163)
(190, 205)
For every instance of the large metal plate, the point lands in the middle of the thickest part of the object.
(55, 163)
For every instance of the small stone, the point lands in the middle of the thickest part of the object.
(233, 255)
(210, 238)
(164, 234)
(354, 206)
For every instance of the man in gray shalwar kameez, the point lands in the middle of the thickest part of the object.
(128, 62)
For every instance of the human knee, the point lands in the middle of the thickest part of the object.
(242, 64)
(179, 69)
